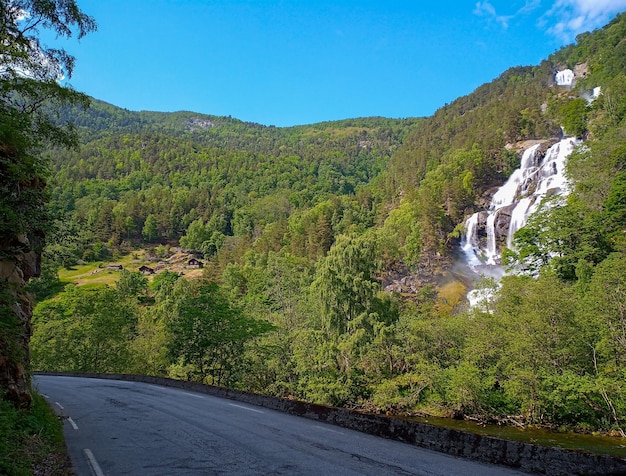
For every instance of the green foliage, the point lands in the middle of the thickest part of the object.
(561, 236)
(614, 98)
(150, 231)
(539, 327)
(345, 282)
(21, 190)
(400, 236)
(573, 116)
(208, 332)
(224, 177)
(163, 282)
(84, 330)
(149, 346)
(404, 392)
(603, 309)
(29, 92)
(47, 284)
(205, 237)
(446, 192)
(131, 284)
(300, 226)
(31, 441)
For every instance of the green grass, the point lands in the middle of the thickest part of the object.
(87, 273)
(92, 274)
(31, 442)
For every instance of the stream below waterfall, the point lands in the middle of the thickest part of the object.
(614, 446)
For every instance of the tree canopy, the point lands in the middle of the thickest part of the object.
(30, 93)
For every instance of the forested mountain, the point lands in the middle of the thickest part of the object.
(299, 226)
(235, 178)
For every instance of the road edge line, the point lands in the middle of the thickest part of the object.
(95, 467)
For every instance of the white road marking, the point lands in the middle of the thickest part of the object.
(74, 425)
(97, 471)
(44, 395)
(175, 391)
(245, 408)
(59, 405)
(328, 429)
(192, 394)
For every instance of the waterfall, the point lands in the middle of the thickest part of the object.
(538, 176)
(565, 78)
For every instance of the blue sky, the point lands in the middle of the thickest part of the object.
(296, 62)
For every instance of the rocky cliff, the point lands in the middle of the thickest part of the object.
(19, 261)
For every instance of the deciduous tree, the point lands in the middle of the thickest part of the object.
(209, 333)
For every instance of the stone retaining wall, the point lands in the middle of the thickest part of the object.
(523, 456)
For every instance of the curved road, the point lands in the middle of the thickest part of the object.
(131, 428)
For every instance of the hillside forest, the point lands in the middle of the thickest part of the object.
(303, 232)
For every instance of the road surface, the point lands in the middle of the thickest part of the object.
(131, 428)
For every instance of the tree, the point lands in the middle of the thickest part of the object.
(353, 310)
(400, 236)
(149, 346)
(196, 235)
(345, 283)
(603, 314)
(562, 234)
(574, 117)
(85, 330)
(275, 289)
(29, 71)
(208, 333)
(29, 93)
(163, 282)
(528, 352)
(150, 230)
(131, 284)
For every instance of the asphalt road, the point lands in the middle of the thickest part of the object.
(130, 428)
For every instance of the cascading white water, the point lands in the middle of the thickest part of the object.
(488, 231)
(518, 219)
(538, 176)
(565, 77)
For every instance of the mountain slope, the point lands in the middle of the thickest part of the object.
(299, 226)
(184, 166)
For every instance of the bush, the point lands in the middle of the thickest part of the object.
(574, 117)
(31, 441)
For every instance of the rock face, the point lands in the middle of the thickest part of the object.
(21, 239)
(18, 263)
(407, 282)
